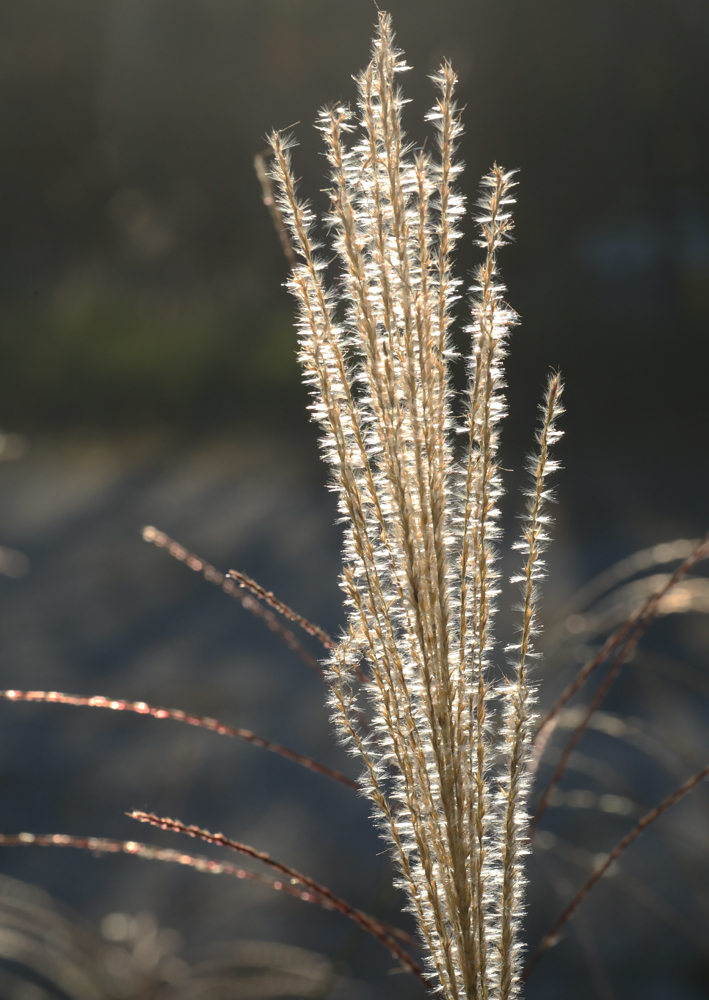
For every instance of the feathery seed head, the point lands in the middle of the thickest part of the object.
(420, 577)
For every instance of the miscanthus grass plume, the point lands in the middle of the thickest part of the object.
(443, 735)
(442, 723)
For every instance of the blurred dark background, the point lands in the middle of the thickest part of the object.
(147, 361)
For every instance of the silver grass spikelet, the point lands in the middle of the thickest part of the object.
(448, 784)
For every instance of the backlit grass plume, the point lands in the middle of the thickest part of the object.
(444, 739)
(444, 733)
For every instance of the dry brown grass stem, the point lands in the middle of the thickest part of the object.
(622, 657)
(177, 715)
(269, 200)
(636, 624)
(102, 845)
(629, 635)
(367, 923)
(246, 583)
(240, 591)
(553, 935)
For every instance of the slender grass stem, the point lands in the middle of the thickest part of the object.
(177, 715)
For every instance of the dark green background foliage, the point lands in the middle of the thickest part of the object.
(141, 281)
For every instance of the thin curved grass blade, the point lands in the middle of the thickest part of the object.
(634, 627)
(553, 935)
(177, 715)
(367, 923)
(240, 593)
